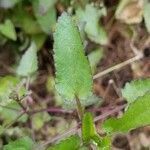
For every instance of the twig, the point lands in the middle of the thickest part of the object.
(103, 116)
(118, 66)
(77, 128)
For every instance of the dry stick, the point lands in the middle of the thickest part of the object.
(118, 66)
(77, 129)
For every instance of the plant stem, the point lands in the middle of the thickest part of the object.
(79, 108)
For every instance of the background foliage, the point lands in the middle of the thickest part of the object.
(107, 32)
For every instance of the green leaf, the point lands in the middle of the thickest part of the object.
(105, 143)
(9, 115)
(94, 58)
(24, 143)
(8, 30)
(136, 116)
(93, 28)
(72, 143)
(136, 88)
(73, 72)
(89, 133)
(28, 64)
(23, 19)
(45, 14)
(39, 40)
(146, 14)
(7, 85)
(39, 119)
(88, 127)
(83, 148)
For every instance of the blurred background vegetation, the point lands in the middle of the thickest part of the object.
(110, 30)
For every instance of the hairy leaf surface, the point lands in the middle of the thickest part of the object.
(73, 72)
(137, 115)
(72, 143)
(88, 127)
(136, 88)
(8, 30)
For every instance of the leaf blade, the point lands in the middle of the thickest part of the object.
(8, 30)
(24, 143)
(88, 127)
(28, 64)
(94, 30)
(135, 89)
(137, 115)
(71, 79)
(72, 143)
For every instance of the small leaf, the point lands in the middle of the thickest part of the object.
(93, 28)
(28, 64)
(24, 143)
(9, 115)
(94, 58)
(73, 72)
(28, 24)
(7, 85)
(136, 116)
(88, 127)
(89, 133)
(39, 119)
(72, 143)
(147, 15)
(8, 30)
(135, 89)
(105, 143)
(45, 14)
